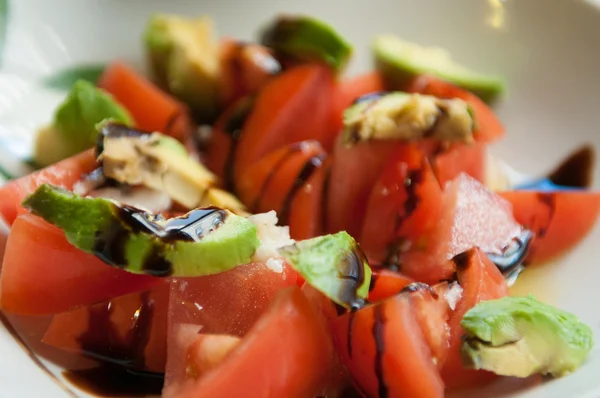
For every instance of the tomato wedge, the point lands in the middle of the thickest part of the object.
(292, 348)
(151, 108)
(488, 127)
(461, 158)
(404, 205)
(559, 219)
(386, 283)
(42, 273)
(480, 280)
(354, 171)
(472, 215)
(293, 107)
(64, 174)
(348, 90)
(129, 330)
(384, 348)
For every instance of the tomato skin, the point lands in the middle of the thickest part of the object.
(559, 219)
(151, 108)
(404, 205)
(348, 90)
(384, 349)
(64, 174)
(128, 329)
(487, 126)
(292, 107)
(354, 170)
(54, 276)
(461, 158)
(386, 283)
(481, 280)
(265, 364)
(229, 302)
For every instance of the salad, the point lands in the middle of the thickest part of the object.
(246, 221)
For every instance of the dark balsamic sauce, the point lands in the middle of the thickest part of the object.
(116, 376)
(417, 287)
(265, 185)
(307, 171)
(463, 260)
(549, 200)
(116, 130)
(576, 170)
(109, 380)
(379, 320)
(234, 127)
(110, 244)
(352, 272)
(512, 257)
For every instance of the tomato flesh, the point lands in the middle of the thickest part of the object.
(293, 349)
(480, 280)
(386, 283)
(384, 348)
(54, 276)
(64, 174)
(404, 205)
(559, 219)
(472, 215)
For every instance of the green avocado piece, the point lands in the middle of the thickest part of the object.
(184, 58)
(334, 264)
(154, 160)
(399, 61)
(202, 242)
(407, 117)
(307, 39)
(520, 336)
(73, 129)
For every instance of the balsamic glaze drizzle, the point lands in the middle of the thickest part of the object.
(351, 271)
(234, 127)
(576, 170)
(110, 244)
(307, 171)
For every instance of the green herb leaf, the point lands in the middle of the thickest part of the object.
(65, 79)
(3, 24)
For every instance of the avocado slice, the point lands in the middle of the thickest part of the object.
(155, 160)
(520, 336)
(307, 39)
(407, 117)
(184, 57)
(204, 241)
(73, 129)
(335, 265)
(399, 61)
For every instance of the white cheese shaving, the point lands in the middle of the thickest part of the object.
(453, 295)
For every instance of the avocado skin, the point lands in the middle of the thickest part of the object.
(520, 336)
(333, 264)
(203, 242)
(398, 70)
(307, 39)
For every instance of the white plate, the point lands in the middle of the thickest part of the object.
(548, 50)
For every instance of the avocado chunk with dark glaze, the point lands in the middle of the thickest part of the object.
(74, 127)
(520, 336)
(184, 57)
(307, 39)
(400, 61)
(202, 242)
(408, 117)
(335, 265)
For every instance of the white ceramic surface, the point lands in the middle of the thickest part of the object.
(549, 51)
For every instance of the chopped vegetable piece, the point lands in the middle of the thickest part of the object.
(519, 336)
(202, 242)
(307, 39)
(400, 61)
